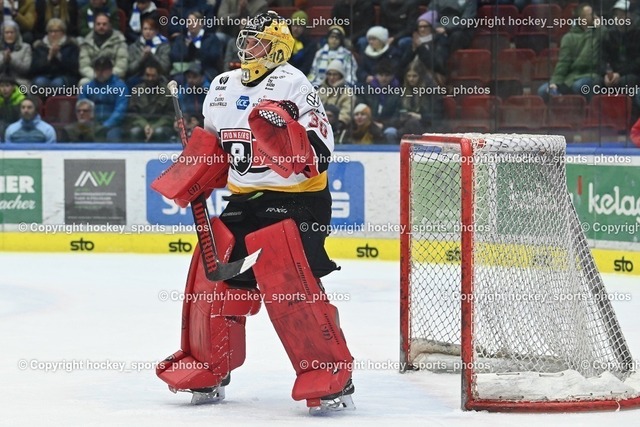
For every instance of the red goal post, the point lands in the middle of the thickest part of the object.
(498, 282)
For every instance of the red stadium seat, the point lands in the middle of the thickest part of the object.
(523, 111)
(612, 111)
(470, 63)
(551, 12)
(319, 20)
(567, 110)
(60, 109)
(506, 13)
(493, 42)
(505, 87)
(538, 41)
(516, 63)
(480, 110)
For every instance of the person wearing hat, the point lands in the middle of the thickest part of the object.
(334, 91)
(304, 48)
(110, 96)
(30, 127)
(378, 49)
(363, 130)
(10, 98)
(621, 48)
(333, 49)
(429, 46)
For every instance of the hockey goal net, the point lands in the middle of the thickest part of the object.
(498, 282)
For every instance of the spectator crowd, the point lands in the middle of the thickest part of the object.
(96, 70)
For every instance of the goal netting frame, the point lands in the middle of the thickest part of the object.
(486, 219)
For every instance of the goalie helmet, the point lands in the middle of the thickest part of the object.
(263, 44)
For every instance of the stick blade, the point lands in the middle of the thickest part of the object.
(225, 271)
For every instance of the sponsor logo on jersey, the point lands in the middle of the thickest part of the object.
(313, 99)
(218, 101)
(224, 80)
(243, 102)
(270, 84)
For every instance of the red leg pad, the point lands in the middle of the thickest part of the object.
(213, 335)
(305, 322)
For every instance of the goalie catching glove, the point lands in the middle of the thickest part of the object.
(202, 166)
(280, 140)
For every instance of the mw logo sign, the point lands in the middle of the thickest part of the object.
(95, 178)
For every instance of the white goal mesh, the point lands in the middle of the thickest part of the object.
(494, 260)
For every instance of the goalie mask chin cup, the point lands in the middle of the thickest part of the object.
(273, 35)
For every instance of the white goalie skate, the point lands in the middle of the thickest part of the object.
(208, 395)
(341, 401)
(202, 396)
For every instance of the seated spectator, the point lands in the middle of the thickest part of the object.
(398, 16)
(10, 99)
(334, 91)
(142, 9)
(359, 14)
(430, 47)
(30, 127)
(150, 47)
(363, 130)
(150, 110)
(378, 49)
(419, 112)
(304, 47)
(88, 14)
(382, 95)
(103, 41)
(195, 91)
(459, 36)
(579, 58)
(85, 128)
(621, 48)
(197, 45)
(65, 10)
(337, 127)
(110, 96)
(332, 50)
(15, 54)
(23, 13)
(55, 58)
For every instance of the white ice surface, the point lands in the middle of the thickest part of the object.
(99, 308)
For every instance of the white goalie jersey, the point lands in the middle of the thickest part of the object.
(226, 111)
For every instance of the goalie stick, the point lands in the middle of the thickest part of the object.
(214, 269)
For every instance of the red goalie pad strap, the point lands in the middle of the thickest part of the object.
(280, 141)
(302, 317)
(213, 334)
(202, 166)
